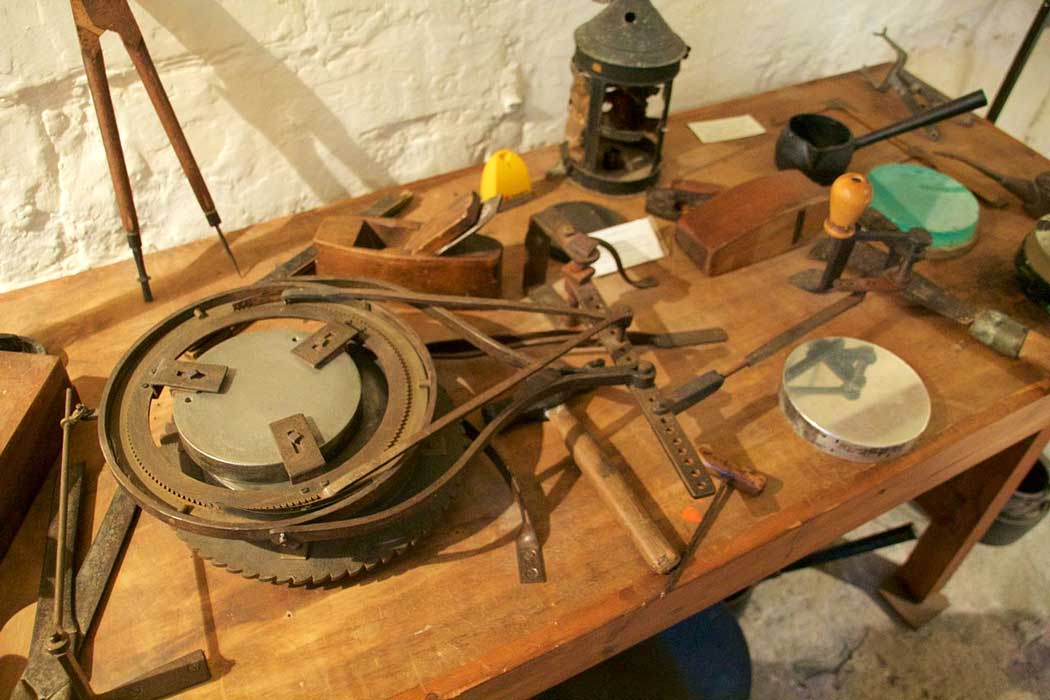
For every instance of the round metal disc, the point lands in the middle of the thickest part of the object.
(265, 383)
(854, 399)
(329, 561)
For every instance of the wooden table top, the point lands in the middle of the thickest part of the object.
(450, 617)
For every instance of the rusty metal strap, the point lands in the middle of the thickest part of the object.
(43, 675)
(676, 445)
(326, 343)
(298, 447)
(459, 348)
(194, 376)
(531, 566)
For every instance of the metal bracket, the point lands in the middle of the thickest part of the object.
(531, 568)
(299, 450)
(680, 398)
(668, 430)
(194, 376)
(42, 674)
(325, 344)
(175, 676)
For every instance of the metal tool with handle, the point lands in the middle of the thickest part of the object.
(846, 247)
(849, 199)
(1034, 193)
(51, 680)
(607, 479)
(822, 147)
(93, 18)
(683, 396)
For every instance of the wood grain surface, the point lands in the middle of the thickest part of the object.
(345, 249)
(450, 618)
(756, 220)
(32, 399)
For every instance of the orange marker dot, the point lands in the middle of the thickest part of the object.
(691, 515)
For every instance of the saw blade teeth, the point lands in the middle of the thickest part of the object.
(173, 478)
(383, 551)
(140, 464)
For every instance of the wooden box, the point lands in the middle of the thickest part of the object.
(354, 246)
(751, 222)
(32, 389)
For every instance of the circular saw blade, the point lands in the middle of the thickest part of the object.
(329, 561)
(333, 561)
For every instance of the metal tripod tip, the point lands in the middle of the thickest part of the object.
(229, 253)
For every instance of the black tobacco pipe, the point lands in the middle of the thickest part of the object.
(822, 147)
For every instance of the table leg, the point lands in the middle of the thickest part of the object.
(961, 511)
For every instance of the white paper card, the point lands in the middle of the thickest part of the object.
(636, 241)
(716, 130)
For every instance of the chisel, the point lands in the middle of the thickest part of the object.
(682, 397)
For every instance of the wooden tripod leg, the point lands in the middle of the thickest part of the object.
(136, 48)
(961, 511)
(98, 84)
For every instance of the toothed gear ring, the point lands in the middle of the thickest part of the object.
(275, 436)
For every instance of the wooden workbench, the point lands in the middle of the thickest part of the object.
(450, 618)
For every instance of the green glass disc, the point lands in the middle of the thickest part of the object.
(912, 196)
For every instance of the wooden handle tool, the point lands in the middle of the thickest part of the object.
(446, 226)
(609, 481)
(850, 196)
(1035, 348)
(745, 479)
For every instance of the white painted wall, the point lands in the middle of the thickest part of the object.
(291, 103)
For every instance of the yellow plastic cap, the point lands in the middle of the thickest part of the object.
(506, 174)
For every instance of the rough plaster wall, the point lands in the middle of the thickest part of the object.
(291, 103)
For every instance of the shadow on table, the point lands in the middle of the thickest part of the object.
(11, 667)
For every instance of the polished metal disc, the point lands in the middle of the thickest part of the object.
(854, 399)
(228, 433)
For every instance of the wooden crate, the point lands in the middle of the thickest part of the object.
(32, 388)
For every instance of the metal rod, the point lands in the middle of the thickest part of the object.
(135, 244)
(229, 253)
(661, 130)
(838, 256)
(63, 498)
(422, 300)
(705, 524)
(904, 533)
(955, 107)
(1024, 51)
(592, 129)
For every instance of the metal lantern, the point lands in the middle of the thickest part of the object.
(626, 56)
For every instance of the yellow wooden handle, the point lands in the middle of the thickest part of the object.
(608, 480)
(1036, 349)
(850, 196)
